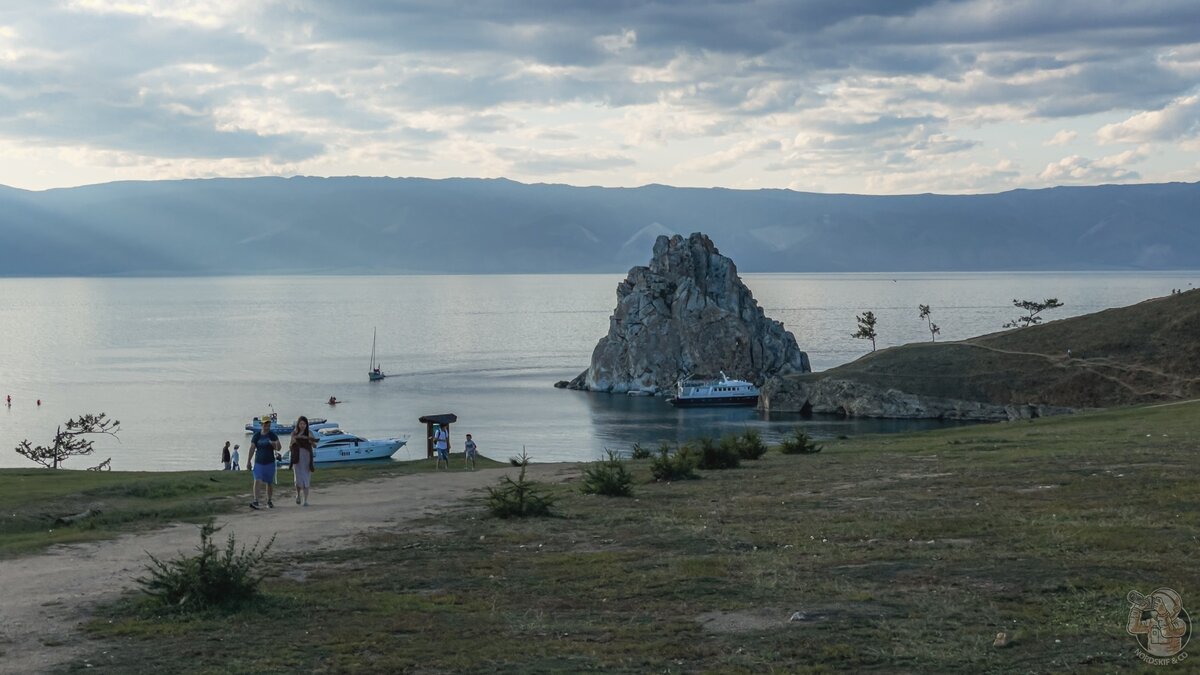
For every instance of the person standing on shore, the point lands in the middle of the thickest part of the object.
(225, 460)
(302, 450)
(235, 462)
(266, 444)
(469, 449)
(441, 445)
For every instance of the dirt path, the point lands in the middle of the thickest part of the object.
(47, 596)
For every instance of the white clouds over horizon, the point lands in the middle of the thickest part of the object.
(906, 96)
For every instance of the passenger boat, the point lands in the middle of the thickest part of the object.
(283, 428)
(335, 445)
(696, 393)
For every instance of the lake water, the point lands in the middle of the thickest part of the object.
(185, 362)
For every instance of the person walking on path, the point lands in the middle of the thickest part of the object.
(266, 444)
(469, 449)
(302, 448)
(225, 459)
(235, 462)
(441, 445)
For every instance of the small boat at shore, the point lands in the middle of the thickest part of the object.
(335, 445)
(283, 428)
(722, 392)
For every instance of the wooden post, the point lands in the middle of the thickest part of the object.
(429, 440)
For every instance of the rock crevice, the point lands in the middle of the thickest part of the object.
(687, 314)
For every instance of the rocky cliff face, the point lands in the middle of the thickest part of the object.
(687, 313)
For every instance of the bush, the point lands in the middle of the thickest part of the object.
(671, 466)
(607, 477)
(750, 445)
(518, 498)
(641, 453)
(799, 443)
(210, 578)
(714, 455)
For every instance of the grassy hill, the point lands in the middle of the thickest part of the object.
(1147, 352)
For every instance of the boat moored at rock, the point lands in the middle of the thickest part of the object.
(722, 392)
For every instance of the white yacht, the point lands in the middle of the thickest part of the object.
(335, 445)
(691, 393)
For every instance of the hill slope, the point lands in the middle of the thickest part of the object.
(1147, 352)
(412, 225)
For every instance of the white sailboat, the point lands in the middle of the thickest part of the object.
(375, 373)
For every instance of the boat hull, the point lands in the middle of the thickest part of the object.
(375, 449)
(714, 401)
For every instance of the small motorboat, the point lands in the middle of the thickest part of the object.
(282, 428)
(695, 393)
(335, 445)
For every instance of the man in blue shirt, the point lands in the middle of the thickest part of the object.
(265, 444)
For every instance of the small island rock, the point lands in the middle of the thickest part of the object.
(687, 314)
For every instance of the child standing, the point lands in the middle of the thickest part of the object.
(235, 460)
(469, 453)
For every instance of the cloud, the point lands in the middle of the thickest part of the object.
(1178, 120)
(525, 161)
(730, 157)
(879, 95)
(1083, 171)
(1063, 137)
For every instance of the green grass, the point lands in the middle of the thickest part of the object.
(903, 552)
(32, 500)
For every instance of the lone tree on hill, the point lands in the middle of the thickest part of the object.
(1032, 309)
(866, 328)
(71, 440)
(933, 327)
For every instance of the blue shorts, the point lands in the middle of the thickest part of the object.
(443, 453)
(265, 472)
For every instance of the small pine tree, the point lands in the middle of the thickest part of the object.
(926, 313)
(518, 498)
(799, 443)
(866, 328)
(608, 477)
(1032, 310)
(70, 440)
(211, 578)
(671, 466)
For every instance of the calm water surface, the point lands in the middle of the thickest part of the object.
(183, 363)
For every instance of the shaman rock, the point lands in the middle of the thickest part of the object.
(687, 314)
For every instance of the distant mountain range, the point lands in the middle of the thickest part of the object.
(412, 225)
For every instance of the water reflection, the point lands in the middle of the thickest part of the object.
(620, 421)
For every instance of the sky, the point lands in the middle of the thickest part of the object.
(859, 96)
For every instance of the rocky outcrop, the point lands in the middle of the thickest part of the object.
(858, 399)
(687, 314)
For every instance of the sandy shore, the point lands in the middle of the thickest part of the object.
(48, 596)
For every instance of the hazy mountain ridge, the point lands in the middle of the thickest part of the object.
(414, 225)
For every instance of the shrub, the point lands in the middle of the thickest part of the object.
(722, 455)
(641, 453)
(671, 466)
(607, 477)
(750, 445)
(210, 578)
(518, 498)
(799, 443)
